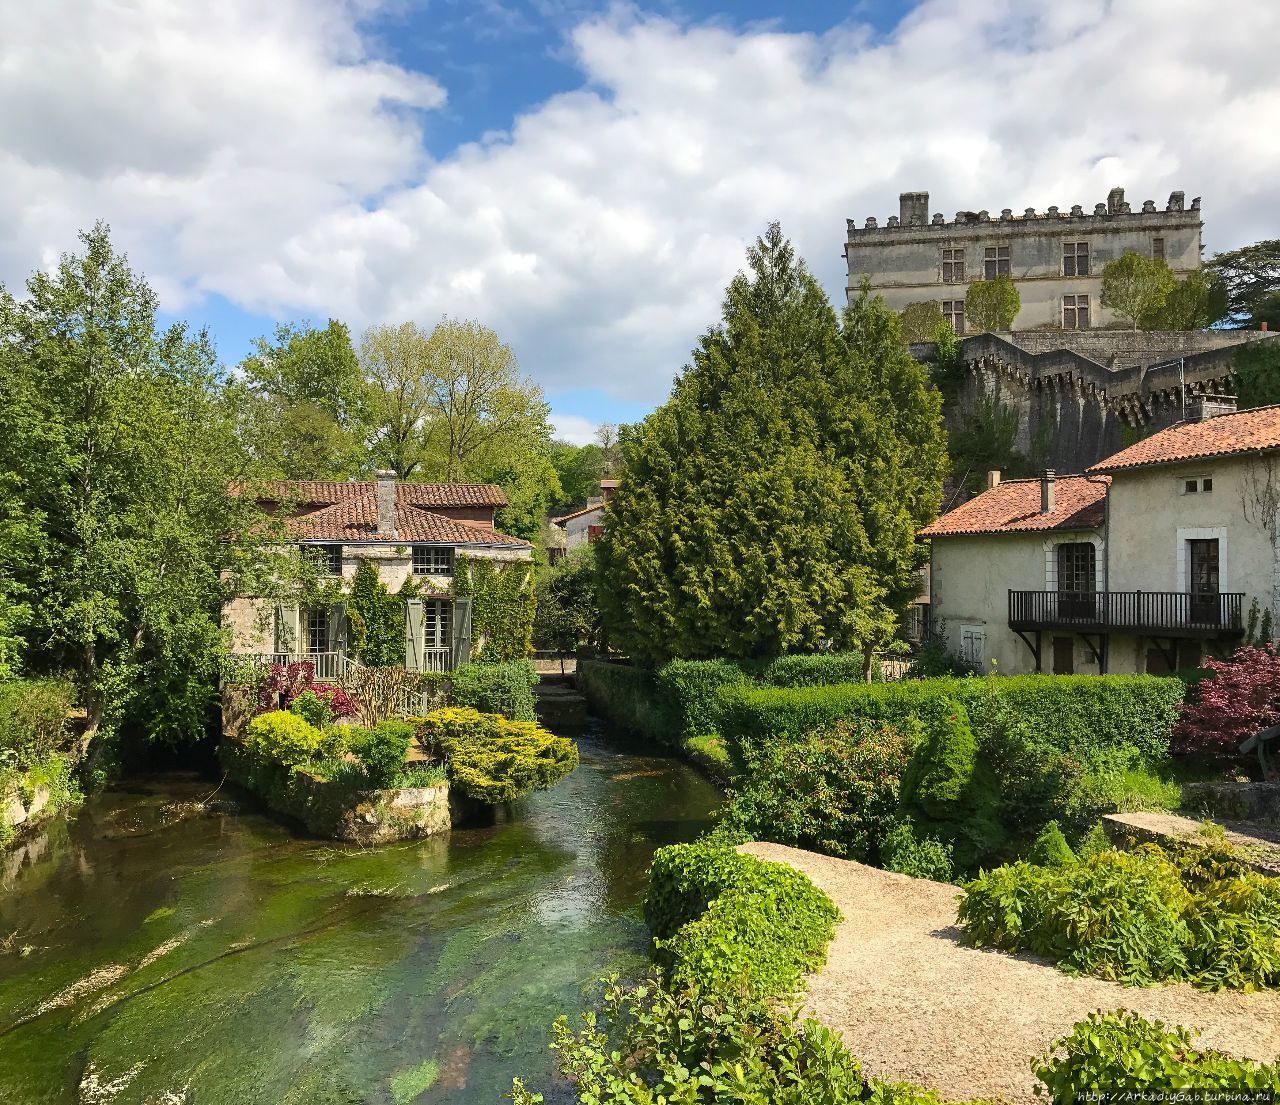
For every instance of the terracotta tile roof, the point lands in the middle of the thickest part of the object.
(1014, 507)
(577, 514)
(347, 512)
(1224, 435)
(420, 494)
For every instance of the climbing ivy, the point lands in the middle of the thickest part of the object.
(376, 618)
(502, 606)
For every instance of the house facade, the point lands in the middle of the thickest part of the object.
(408, 531)
(1055, 258)
(581, 527)
(1146, 562)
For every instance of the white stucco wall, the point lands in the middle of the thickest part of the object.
(576, 529)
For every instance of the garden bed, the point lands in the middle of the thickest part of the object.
(913, 1003)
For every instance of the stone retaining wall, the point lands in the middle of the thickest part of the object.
(17, 809)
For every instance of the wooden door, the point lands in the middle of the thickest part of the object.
(1064, 656)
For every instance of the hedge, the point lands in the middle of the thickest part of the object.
(1079, 714)
(629, 697)
(505, 688)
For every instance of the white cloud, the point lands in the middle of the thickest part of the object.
(573, 428)
(263, 154)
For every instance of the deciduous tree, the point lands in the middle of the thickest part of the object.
(992, 304)
(920, 321)
(1136, 287)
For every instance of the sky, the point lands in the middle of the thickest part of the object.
(586, 178)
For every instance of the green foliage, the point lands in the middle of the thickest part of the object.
(832, 790)
(985, 439)
(1134, 917)
(376, 618)
(819, 669)
(505, 689)
(992, 304)
(904, 851)
(503, 603)
(284, 738)
(493, 759)
(630, 698)
(732, 535)
(580, 469)
(1051, 848)
(1136, 287)
(1257, 368)
(920, 321)
(33, 719)
(382, 751)
(1251, 279)
(948, 366)
(1094, 842)
(567, 613)
(730, 922)
(313, 709)
(692, 687)
(1120, 1056)
(1194, 303)
(708, 753)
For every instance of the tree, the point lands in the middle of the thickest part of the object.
(920, 321)
(1257, 369)
(992, 304)
(568, 614)
(302, 402)
(580, 468)
(790, 445)
(1250, 278)
(1193, 303)
(1136, 287)
(123, 455)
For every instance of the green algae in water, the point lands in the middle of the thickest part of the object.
(248, 965)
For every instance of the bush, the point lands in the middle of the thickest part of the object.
(505, 689)
(1121, 1056)
(731, 923)
(1242, 697)
(284, 738)
(1131, 917)
(493, 759)
(817, 669)
(313, 709)
(33, 718)
(920, 857)
(382, 751)
(835, 790)
(691, 689)
(1051, 848)
(628, 697)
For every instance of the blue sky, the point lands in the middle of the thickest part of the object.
(583, 178)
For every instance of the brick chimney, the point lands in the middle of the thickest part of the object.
(387, 504)
(1048, 496)
(993, 478)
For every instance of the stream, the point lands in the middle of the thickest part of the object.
(152, 953)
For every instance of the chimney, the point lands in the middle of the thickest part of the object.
(993, 478)
(1211, 406)
(1048, 498)
(386, 503)
(1115, 201)
(913, 208)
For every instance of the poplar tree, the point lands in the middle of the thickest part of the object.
(770, 505)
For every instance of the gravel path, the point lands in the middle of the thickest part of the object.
(914, 1004)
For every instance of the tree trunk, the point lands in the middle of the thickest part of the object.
(866, 663)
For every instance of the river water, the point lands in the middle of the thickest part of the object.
(151, 956)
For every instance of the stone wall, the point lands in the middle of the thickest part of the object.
(21, 810)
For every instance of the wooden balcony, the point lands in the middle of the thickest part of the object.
(1142, 613)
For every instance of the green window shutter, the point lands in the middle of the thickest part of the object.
(288, 629)
(460, 623)
(337, 629)
(413, 634)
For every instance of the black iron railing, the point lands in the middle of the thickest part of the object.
(1166, 612)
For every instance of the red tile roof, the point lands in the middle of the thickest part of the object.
(347, 512)
(577, 513)
(1014, 507)
(1224, 435)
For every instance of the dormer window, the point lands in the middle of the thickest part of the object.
(432, 560)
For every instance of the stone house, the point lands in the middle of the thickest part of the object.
(1054, 258)
(581, 527)
(408, 530)
(1143, 563)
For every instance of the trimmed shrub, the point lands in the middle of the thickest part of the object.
(281, 737)
(382, 751)
(920, 857)
(729, 923)
(493, 759)
(817, 669)
(835, 790)
(1121, 1056)
(505, 689)
(691, 689)
(629, 697)
(313, 709)
(1051, 848)
(33, 718)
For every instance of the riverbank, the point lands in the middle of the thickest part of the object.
(914, 1004)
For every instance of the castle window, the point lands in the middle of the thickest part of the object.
(953, 312)
(996, 262)
(1157, 249)
(1075, 312)
(1075, 258)
(952, 266)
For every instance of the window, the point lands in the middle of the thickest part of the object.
(594, 533)
(1206, 484)
(1204, 581)
(1190, 487)
(1075, 258)
(329, 558)
(436, 624)
(996, 262)
(953, 312)
(952, 266)
(1157, 249)
(1076, 580)
(432, 560)
(1202, 485)
(1075, 312)
(318, 629)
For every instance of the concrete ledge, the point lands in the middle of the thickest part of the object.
(1257, 852)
